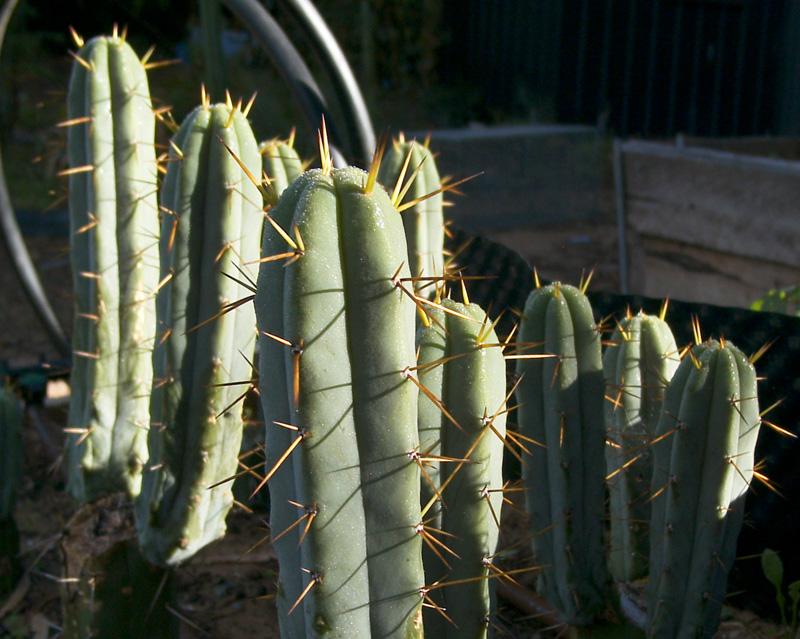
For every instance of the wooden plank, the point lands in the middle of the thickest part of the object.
(735, 204)
(665, 268)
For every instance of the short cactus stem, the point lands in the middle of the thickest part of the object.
(281, 164)
(703, 465)
(211, 225)
(638, 363)
(336, 342)
(462, 425)
(561, 406)
(114, 238)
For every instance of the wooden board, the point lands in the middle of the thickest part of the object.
(665, 268)
(744, 206)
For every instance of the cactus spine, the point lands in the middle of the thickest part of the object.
(114, 234)
(10, 475)
(561, 406)
(424, 221)
(471, 386)
(336, 346)
(703, 458)
(638, 365)
(211, 225)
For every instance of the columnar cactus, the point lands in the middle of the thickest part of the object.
(424, 221)
(280, 163)
(461, 364)
(561, 407)
(10, 475)
(703, 465)
(638, 364)
(336, 348)
(114, 235)
(211, 225)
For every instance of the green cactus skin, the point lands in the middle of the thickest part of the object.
(423, 222)
(211, 224)
(10, 475)
(561, 406)
(114, 234)
(637, 367)
(703, 467)
(472, 387)
(281, 164)
(343, 384)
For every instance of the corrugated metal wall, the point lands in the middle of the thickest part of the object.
(649, 67)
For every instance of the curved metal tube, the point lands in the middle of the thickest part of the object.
(294, 72)
(290, 65)
(348, 94)
(15, 244)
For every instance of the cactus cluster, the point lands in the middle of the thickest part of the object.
(679, 457)
(384, 445)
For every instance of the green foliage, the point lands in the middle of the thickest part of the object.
(779, 300)
(772, 566)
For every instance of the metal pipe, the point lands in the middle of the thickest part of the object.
(15, 244)
(348, 95)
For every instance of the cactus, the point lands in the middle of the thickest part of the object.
(281, 164)
(637, 366)
(461, 364)
(561, 407)
(423, 222)
(703, 465)
(10, 475)
(114, 234)
(336, 349)
(211, 226)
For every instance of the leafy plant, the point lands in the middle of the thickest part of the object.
(772, 566)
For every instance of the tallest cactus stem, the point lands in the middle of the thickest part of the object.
(114, 236)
